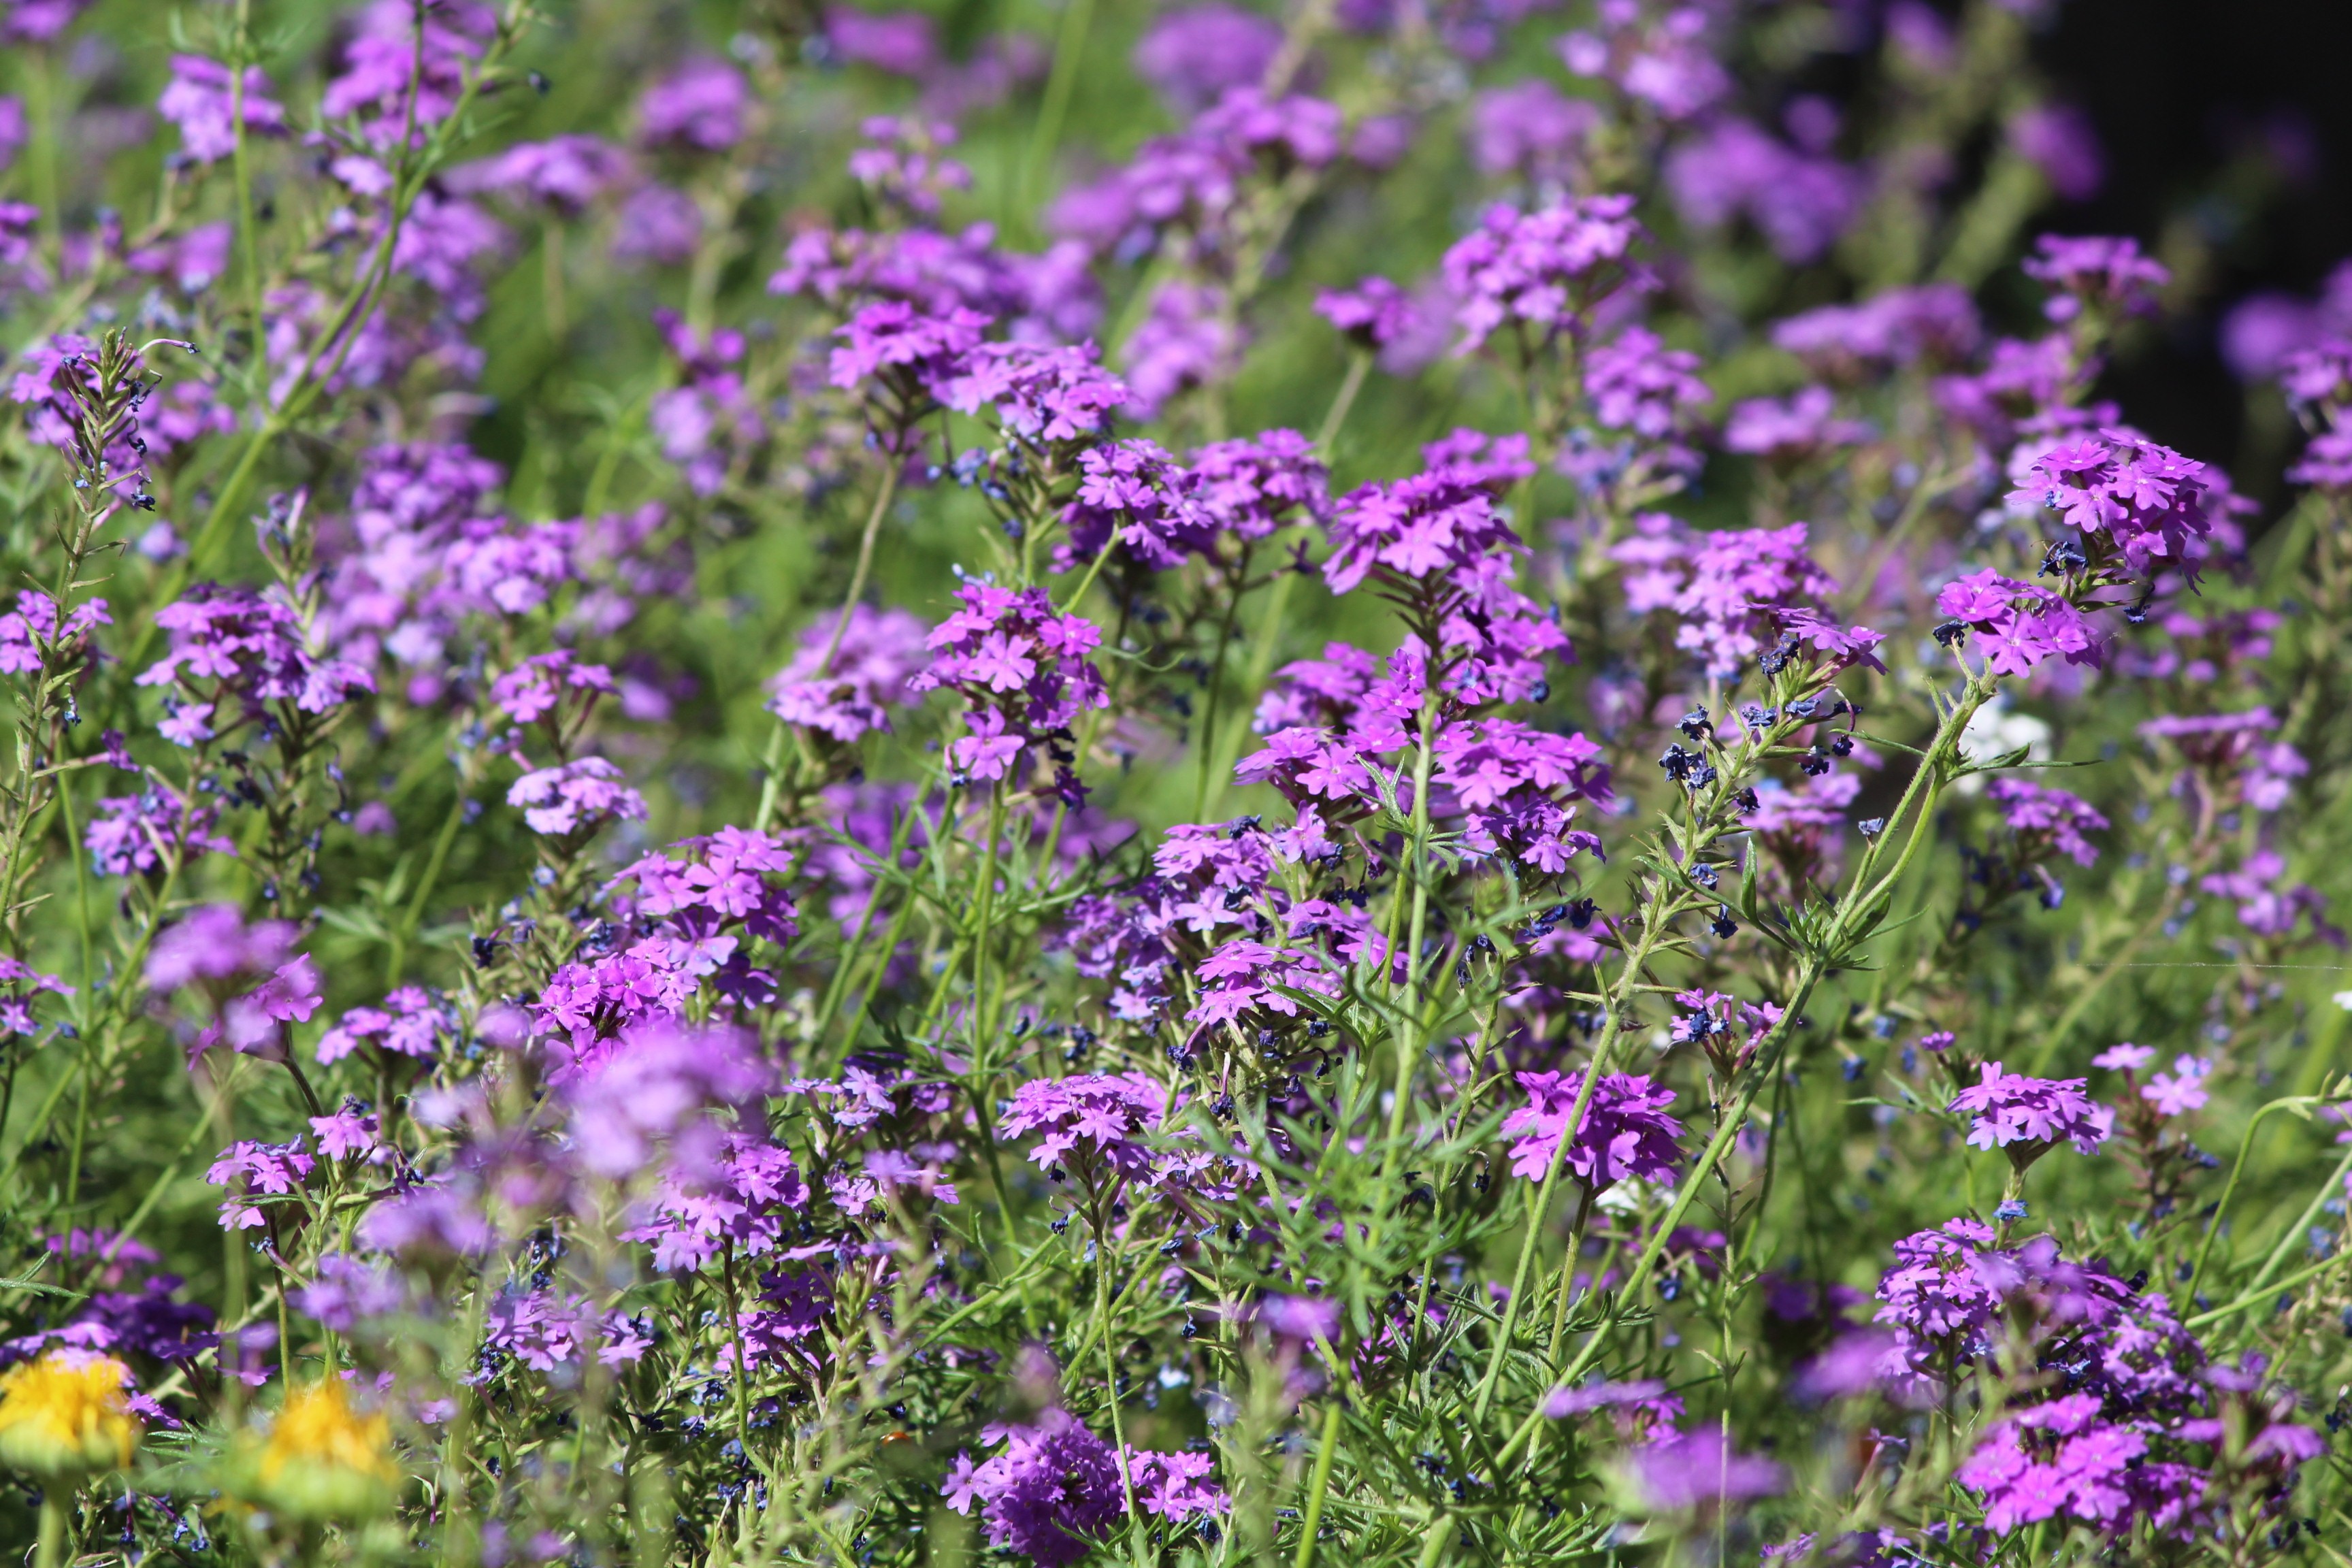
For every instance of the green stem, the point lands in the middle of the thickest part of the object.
(1312, 1524)
(2230, 1188)
(1069, 49)
(55, 1532)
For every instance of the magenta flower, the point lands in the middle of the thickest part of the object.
(1193, 55)
(2030, 1116)
(2040, 816)
(701, 106)
(1902, 326)
(2094, 271)
(1791, 430)
(199, 101)
(1375, 313)
(2181, 1090)
(2130, 498)
(1102, 1116)
(1687, 1471)
(1627, 1130)
(566, 173)
(1542, 273)
(878, 652)
(575, 798)
(1055, 1490)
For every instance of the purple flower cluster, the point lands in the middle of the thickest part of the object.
(2030, 1116)
(1627, 1128)
(1021, 667)
(1542, 274)
(1055, 1490)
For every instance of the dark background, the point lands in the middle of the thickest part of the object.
(2227, 131)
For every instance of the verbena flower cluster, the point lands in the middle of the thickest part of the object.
(1394, 782)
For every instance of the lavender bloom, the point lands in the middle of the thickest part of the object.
(2030, 1116)
(248, 1168)
(1100, 1116)
(878, 652)
(1626, 1130)
(1189, 338)
(136, 835)
(2181, 1090)
(1057, 1488)
(2095, 272)
(198, 102)
(1664, 65)
(567, 172)
(1801, 203)
(344, 1292)
(2059, 140)
(212, 947)
(546, 1329)
(1042, 395)
(1697, 1470)
(656, 225)
(658, 1080)
(2129, 496)
(1543, 273)
(1635, 382)
(1375, 313)
(1800, 428)
(1900, 327)
(575, 798)
(1530, 129)
(738, 1197)
(411, 1023)
(701, 106)
(1193, 55)
(896, 43)
(2040, 816)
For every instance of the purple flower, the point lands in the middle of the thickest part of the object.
(1686, 1470)
(545, 1329)
(248, 1169)
(211, 946)
(2059, 140)
(199, 101)
(1530, 130)
(2095, 273)
(136, 835)
(1791, 430)
(227, 644)
(1100, 1116)
(567, 172)
(2042, 817)
(1021, 666)
(411, 1023)
(1900, 327)
(657, 225)
(1627, 1130)
(1041, 393)
(1375, 313)
(2029, 1116)
(1729, 590)
(575, 798)
(2124, 1058)
(2022, 625)
(739, 1197)
(1190, 338)
(910, 347)
(1193, 55)
(659, 1081)
(1801, 203)
(898, 43)
(344, 1291)
(1542, 273)
(2129, 497)
(2180, 1091)
(903, 164)
(701, 106)
(1637, 384)
(1056, 1489)
(879, 651)
(1660, 59)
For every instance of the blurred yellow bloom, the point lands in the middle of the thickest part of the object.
(67, 1413)
(325, 1459)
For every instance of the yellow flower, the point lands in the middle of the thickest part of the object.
(326, 1460)
(67, 1415)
